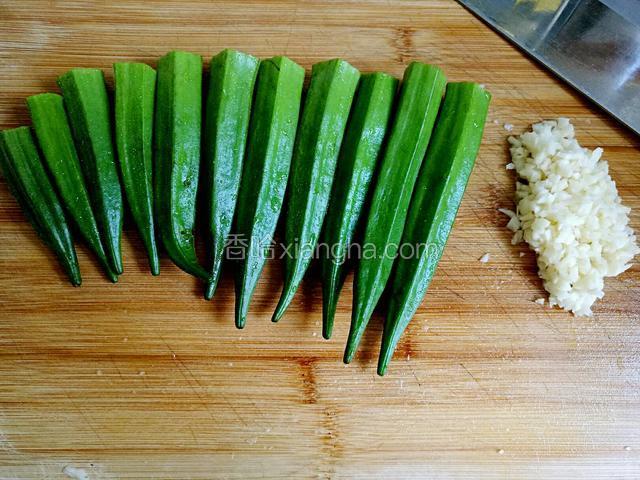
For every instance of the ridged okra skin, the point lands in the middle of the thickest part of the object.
(22, 169)
(360, 150)
(177, 156)
(318, 139)
(232, 76)
(439, 189)
(87, 104)
(56, 142)
(272, 132)
(135, 88)
(420, 96)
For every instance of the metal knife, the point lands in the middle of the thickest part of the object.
(594, 45)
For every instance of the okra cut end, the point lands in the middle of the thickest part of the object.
(239, 56)
(180, 55)
(79, 74)
(120, 67)
(33, 100)
(339, 65)
(281, 61)
(40, 106)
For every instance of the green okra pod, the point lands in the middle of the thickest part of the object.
(232, 76)
(22, 169)
(54, 136)
(437, 196)
(272, 133)
(420, 96)
(135, 86)
(87, 104)
(363, 139)
(322, 124)
(177, 156)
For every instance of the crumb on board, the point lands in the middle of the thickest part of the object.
(539, 301)
(484, 258)
(521, 254)
(75, 473)
(508, 127)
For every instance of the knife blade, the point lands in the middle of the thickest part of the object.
(594, 45)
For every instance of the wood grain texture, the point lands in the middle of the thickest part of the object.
(144, 379)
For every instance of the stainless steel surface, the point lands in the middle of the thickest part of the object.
(592, 44)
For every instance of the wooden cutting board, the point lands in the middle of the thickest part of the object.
(144, 379)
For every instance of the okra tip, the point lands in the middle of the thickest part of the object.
(349, 353)
(394, 327)
(154, 265)
(330, 294)
(385, 357)
(327, 329)
(328, 313)
(210, 289)
(242, 306)
(116, 260)
(241, 320)
(285, 299)
(74, 275)
(359, 322)
(355, 334)
(277, 315)
(112, 276)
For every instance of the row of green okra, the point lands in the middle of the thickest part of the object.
(357, 162)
